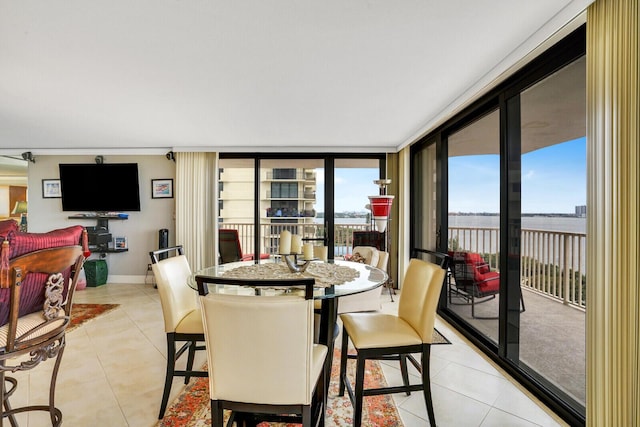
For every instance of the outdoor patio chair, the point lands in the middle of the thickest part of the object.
(472, 281)
(369, 238)
(230, 249)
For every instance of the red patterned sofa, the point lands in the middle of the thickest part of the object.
(16, 243)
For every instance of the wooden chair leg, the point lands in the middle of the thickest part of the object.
(343, 361)
(405, 372)
(190, 358)
(426, 383)
(321, 400)
(306, 416)
(171, 365)
(359, 391)
(217, 413)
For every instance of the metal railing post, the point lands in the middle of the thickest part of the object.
(566, 261)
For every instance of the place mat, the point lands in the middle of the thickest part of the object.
(325, 274)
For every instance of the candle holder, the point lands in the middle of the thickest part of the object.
(294, 266)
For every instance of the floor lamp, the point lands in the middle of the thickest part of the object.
(380, 206)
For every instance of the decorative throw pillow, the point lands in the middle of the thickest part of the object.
(356, 257)
(369, 253)
(8, 226)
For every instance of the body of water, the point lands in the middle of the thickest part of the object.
(544, 223)
(340, 221)
(542, 246)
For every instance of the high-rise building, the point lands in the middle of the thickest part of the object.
(287, 201)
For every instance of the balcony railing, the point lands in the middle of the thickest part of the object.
(552, 262)
(270, 235)
(296, 176)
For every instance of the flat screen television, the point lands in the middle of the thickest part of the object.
(106, 187)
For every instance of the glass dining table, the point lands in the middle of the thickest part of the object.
(334, 279)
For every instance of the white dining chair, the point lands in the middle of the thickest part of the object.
(182, 318)
(262, 359)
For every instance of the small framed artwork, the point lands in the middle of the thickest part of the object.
(51, 189)
(162, 188)
(120, 242)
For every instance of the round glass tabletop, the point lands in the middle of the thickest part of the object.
(330, 277)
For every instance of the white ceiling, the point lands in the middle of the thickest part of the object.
(254, 75)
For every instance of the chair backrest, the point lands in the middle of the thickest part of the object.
(370, 254)
(51, 264)
(369, 238)
(259, 349)
(419, 297)
(306, 283)
(229, 245)
(467, 267)
(176, 297)
(383, 260)
(321, 252)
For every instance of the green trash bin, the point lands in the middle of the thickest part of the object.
(96, 272)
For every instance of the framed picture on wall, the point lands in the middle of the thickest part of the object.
(120, 242)
(51, 189)
(162, 188)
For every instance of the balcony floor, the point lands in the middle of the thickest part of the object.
(552, 338)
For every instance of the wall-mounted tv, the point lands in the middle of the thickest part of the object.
(106, 187)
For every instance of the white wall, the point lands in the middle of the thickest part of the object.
(141, 229)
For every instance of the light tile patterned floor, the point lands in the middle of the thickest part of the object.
(113, 371)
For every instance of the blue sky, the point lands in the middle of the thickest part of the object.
(553, 180)
(353, 185)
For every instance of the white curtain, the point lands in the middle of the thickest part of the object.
(196, 212)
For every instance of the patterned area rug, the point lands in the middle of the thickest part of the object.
(192, 408)
(82, 313)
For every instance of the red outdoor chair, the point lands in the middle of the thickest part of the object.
(230, 248)
(473, 281)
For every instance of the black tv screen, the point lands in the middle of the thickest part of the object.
(102, 187)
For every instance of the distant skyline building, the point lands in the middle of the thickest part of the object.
(581, 210)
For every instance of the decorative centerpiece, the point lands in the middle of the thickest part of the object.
(294, 265)
(291, 247)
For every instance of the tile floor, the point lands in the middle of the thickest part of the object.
(113, 371)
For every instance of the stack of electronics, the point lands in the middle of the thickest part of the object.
(99, 237)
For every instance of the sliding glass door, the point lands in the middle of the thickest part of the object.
(322, 198)
(553, 249)
(474, 221)
(510, 210)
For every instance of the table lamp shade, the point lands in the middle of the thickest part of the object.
(20, 207)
